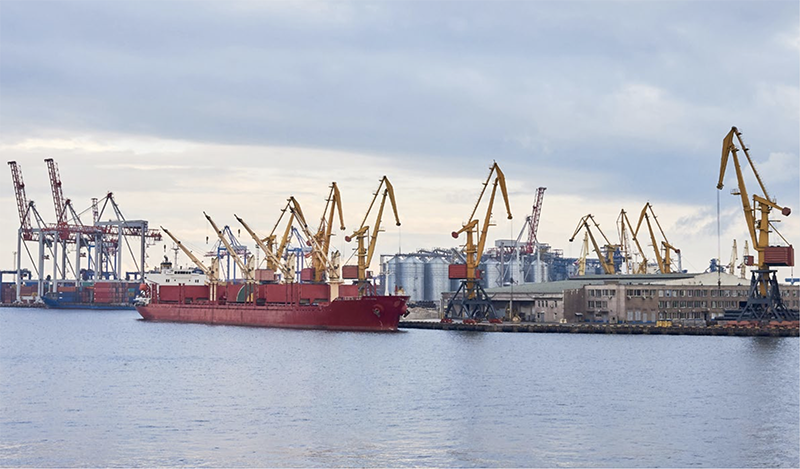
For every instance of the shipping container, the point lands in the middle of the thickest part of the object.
(349, 271)
(458, 271)
(779, 256)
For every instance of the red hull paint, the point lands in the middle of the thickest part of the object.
(369, 313)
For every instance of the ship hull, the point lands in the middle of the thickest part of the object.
(59, 304)
(369, 313)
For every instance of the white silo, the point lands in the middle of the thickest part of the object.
(436, 278)
(492, 276)
(411, 277)
(392, 272)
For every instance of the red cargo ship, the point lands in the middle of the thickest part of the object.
(297, 305)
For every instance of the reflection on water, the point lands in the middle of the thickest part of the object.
(179, 394)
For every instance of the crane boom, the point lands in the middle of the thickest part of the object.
(584, 254)
(664, 262)
(333, 205)
(607, 264)
(287, 232)
(244, 266)
(288, 275)
(533, 221)
(319, 256)
(55, 187)
(212, 273)
(625, 224)
(476, 252)
(366, 250)
(22, 200)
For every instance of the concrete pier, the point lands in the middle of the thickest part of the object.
(607, 329)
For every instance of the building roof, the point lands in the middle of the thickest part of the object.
(546, 287)
(706, 278)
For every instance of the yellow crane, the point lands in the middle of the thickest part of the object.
(584, 255)
(746, 261)
(474, 303)
(319, 257)
(607, 258)
(734, 257)
(664, 262)
(287, 271)
(625, 227)
(764, 302)
(212, 273)
(366, 249)
(333, 205)
(246, 266)
(269, 241)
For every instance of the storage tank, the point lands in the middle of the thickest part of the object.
(436, 278)
(492, 277)
(410, 277)
(514, 274)
(391, 272)
(539, 271)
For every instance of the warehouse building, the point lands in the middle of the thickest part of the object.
(684, 298)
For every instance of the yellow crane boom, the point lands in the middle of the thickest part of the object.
(607, 260)
(318, 255)
(272, 260)
(333, 205)
(269, 241)
(584, 254)
(366, 249)
(212, 273)
(734, 258)
(245, 266)
(626, 227)
(664, 262)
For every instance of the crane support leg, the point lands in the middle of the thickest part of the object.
(471, 304)
(761, 307)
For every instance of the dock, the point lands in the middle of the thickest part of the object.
(739, 331)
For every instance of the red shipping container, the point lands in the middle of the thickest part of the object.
(349, 271)
(457, 271)
(349, 291)
(277, 293)
(265, 275)
(307, 274)
(780, 256)
(313, 292)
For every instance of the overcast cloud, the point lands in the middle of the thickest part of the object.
(224, 106)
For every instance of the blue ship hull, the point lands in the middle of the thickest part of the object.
(59, 304)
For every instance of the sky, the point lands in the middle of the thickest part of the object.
(231, 107)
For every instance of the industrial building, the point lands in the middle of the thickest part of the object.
(683, 298)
